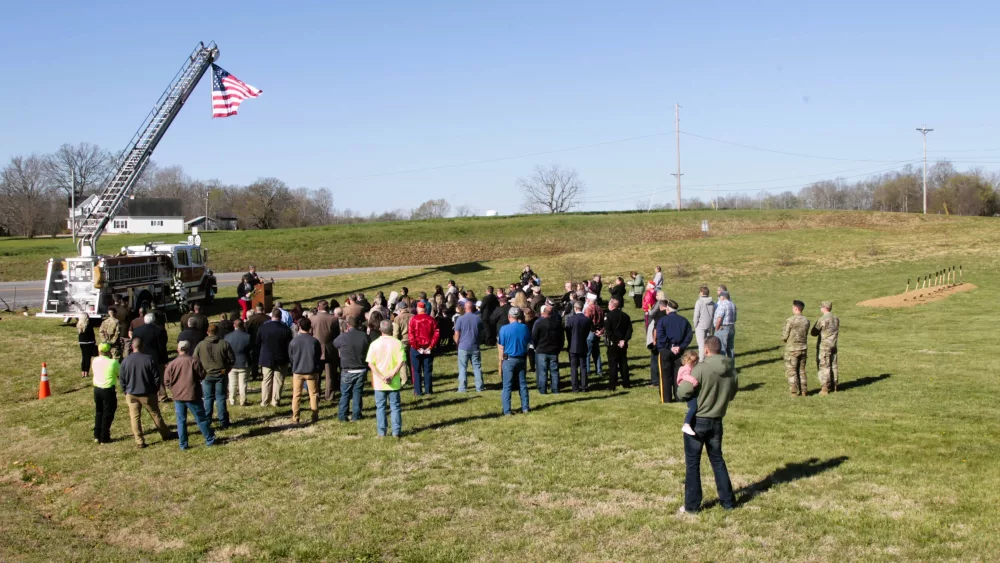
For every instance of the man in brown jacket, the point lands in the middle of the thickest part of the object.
(184, 375)
(325, 328)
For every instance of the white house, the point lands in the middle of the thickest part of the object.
(140, 216)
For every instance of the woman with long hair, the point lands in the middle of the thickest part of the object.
(244, 295)
(88, 343)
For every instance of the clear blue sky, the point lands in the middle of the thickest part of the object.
(356, 90)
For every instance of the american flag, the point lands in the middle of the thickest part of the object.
(228, 91)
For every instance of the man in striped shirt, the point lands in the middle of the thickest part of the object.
(725, 323)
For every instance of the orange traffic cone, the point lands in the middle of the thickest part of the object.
(43, 386)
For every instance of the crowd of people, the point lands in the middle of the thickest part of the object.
(393, 340)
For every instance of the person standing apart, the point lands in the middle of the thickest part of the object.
(512, 351)
(578, 329)
(704, 318)
(239, 341)
(87, 340)
(548, 337)
(306, 354)
(185, 375)
(673, 335)
(273, 338)
(385, 360)
(725, 323)
(353, 348)
(216, 358)
(618, 331)
(795, 335)
(140, 380)
(468, 332)
(827, 329)
(424, 334)
(717, 384)
(636, 288)
(106, 370)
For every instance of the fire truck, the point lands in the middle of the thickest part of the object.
(169, 276)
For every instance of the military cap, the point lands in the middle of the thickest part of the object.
(826, 305)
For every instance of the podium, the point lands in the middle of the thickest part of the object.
(263, 294)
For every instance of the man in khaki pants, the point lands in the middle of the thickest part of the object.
(305, 353)
(140, 379)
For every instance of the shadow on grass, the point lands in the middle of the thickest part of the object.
(449, 269)
(784, 474)
(760, 351)
(444, 403)
(862, 382)
(751, 387)
(760, 363)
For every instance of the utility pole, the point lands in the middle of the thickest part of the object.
(677, 132)
(72, 203)
(204, 225)
(925, 131)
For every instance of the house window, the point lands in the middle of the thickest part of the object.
(182, 258)
(120, 224)
(156, 223)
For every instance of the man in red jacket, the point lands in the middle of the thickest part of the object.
(423, 333)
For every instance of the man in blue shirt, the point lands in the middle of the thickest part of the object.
(286, 315)
(673, 335)
(468, 330)
(512, 346)
(725, 323)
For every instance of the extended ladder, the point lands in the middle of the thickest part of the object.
(133, 159)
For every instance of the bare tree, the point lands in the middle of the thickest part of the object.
(87, 164)
(26, 196)
(264, 203)
(551, 190)
(431, 209)
(465, 211)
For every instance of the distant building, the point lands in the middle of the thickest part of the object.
(139, 216)
(221, 222)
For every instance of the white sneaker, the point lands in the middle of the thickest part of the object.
(687, 429)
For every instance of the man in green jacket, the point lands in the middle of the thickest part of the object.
(217, 358)
(717, 384)
(636, 288)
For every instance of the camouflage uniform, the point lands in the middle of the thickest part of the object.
(796, 336)
(111, 334)
(827, 328)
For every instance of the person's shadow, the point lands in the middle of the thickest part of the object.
(784, 474)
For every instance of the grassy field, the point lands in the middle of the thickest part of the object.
(900, 465)
(451, 241)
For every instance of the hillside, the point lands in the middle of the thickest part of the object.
(448, 241)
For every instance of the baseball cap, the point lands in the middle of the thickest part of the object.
(826, 305)
(104, 347)
(514, 312)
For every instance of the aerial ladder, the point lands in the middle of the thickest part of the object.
(135, 157)
(168, 275)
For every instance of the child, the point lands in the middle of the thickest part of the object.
(688, 361)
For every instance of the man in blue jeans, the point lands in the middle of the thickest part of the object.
(725, 323)
(217, 358)
(468, 332)
(512, 347)
(717, 385)
(183, 375)
(548, 337)
(353, 349)
(385, 361)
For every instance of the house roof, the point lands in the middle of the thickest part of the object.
(152, 207)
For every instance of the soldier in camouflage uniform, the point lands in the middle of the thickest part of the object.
(795, 334)
(111, 333)
(826, 329)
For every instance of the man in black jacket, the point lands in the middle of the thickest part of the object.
(548, 338)
(618, 329)
(154, 344)
(273, 338)
(486, 309)
(499, 317)
(578, 328)
(140, 379)
(191, 334)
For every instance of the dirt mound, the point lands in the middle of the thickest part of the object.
(918, 297)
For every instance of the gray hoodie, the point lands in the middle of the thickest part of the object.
(704, 312)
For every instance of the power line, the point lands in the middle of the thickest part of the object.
(751, 147)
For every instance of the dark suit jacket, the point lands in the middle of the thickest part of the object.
(154, 342)
(578, 328)
(273, 338)
(618, 326)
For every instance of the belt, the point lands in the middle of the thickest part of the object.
(509, 357)
(708, 418)
(357, 370)
(729, 325)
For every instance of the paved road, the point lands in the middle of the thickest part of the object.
(30, 292)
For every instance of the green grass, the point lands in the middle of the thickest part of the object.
(449, 241)
(900, 466)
